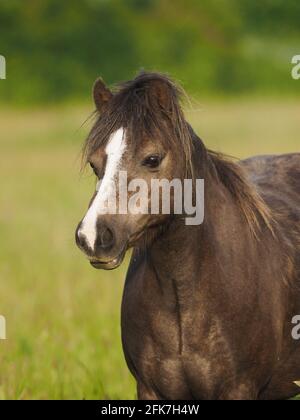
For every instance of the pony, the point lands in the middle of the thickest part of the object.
(207, 309)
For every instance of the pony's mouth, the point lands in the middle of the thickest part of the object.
(108, 265)
(117, 261)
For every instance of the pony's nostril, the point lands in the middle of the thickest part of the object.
(105, 237)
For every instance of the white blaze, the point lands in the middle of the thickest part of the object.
(115, 149)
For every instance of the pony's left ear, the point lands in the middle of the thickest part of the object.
(101, 94)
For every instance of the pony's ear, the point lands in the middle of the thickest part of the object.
(162, 92)
(101, 94)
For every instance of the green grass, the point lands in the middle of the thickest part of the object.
(62, 315)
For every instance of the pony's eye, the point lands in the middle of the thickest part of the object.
(152, 161)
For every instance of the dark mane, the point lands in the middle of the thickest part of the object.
(245, 194)
(135, 108)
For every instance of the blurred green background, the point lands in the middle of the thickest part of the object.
(56, 48)
(234, 59)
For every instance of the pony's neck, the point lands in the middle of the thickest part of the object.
(183, 253)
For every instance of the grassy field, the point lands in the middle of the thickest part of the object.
(62, 315)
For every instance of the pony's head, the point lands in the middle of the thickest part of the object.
(141, 134)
